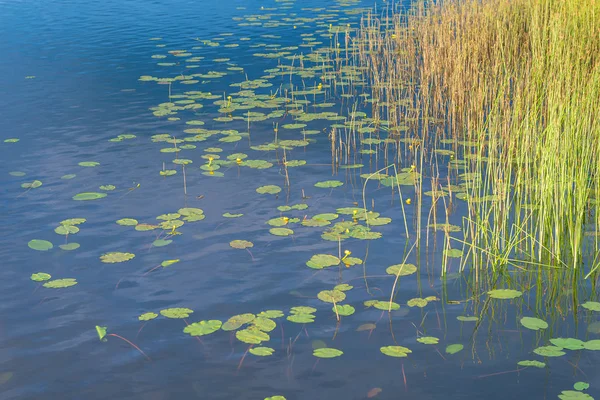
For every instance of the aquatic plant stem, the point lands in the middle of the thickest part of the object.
(130, 343)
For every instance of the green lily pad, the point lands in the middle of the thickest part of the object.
(88, 196)
(261, 351)
(454, 348)
(229, 215)
(107, 187)
(328, 184)
(161, 242)
(237, 321)
(31, 185)
(147, 316)
(281, 231)
(417, 302)
(395, 351)
(60, 283)
(68, 176)
(344, 310)
(465, 318)
(176, 313)
(320, 261)
(101, 331)
(401, 269)
(301, 318)
(73, 221)
(331, 296)
(270, 314)
(167, 263)
(327, 352)
(532, 363)
(504, 294)
(591, 305)
(453, 253)
(428, 340)
(268, 189)
(116, 257)
(127, 222)
(549, 351)
(40, 277)
(568, 343)
(302, 310)
(40, 245)
(89, 164)
(574, 395)
(534, 324)
(278, 397)
(343, 287)
(592, 345)
(69, 246)
(66, 229)
(203, 327)
(252, 336)
(241, 244)
(264, 324)
(581, 386)
(381, 305)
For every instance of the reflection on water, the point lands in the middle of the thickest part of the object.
(229, 87)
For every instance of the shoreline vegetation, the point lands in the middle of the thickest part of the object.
(510, 90)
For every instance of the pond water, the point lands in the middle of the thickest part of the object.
(241, 96)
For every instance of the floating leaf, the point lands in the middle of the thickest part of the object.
(275, 398)
(581, 386)
(301, 318)
(147, 316)
(73, 221)
(381, 305)
(237, 321)
(417, 302)
(327, 352)
(252, 336)
(167, 263)
(262, 351)
(549, 351)
(302, 310)
(465, 318)
(568, 343)
(69, 246)
(534, 324)
(177, 312)
(264, 324)
(428, 340)
(331, 296)
(573, 395)
(229, 215)
(40, 245)
(281, 231)
(101, 331)
(60, 283)
(343, 287)
(66, 229)
(395, 351)
(241, 244)
(454, 348)
(591, 305)
(88, 196)
(328, 184)
(504, 294)
(320, 261)
(268, 189)
(203, 327)
(271, 314)
(127, 222)
(40, 277)
(107, 187)
(532, 363)
(401, 269)
(89, 164)
(116, 257)
(31, 185)
(592, 345)
(453, 253)
(161, 242)
(344, 310)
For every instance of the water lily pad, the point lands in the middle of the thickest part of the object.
(241, 244)
(592, 345)
(453, 253)
(549, 351)
(320, 261)
(281, 231)
(417, 302)
(327, 352)
(301, 318)
(176, 313)
(264, 324)
(73, 221)
(101, 331)
(107, 187)
(89, 164)
(534, 324)
(568, 343)
(88, 196)
(252, 336)
(302, 310)
(574, 395)
(116, 257)
(261, 351)
(229, 215)
(268, 189)
(61, 283)
(40, 245)
(328, 184)
(69, 246)
(237, 321)
(127, 222)
(40, 277)
(161, 242)
(401, 269)
(591, 305)
(31, 185)
(454, 348)
(504, 294)
(203, 327)
(344, 310)
(532, 363)
(68, 176)
(428, 340)
(147, 316)
(271, 314)
(395, 351)
(464, 318)
(331, 296)
(343, 287)
(381, 305)
(66, 229)
(278, 397)
(581, 385)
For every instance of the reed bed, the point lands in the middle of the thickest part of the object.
(513, 87)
